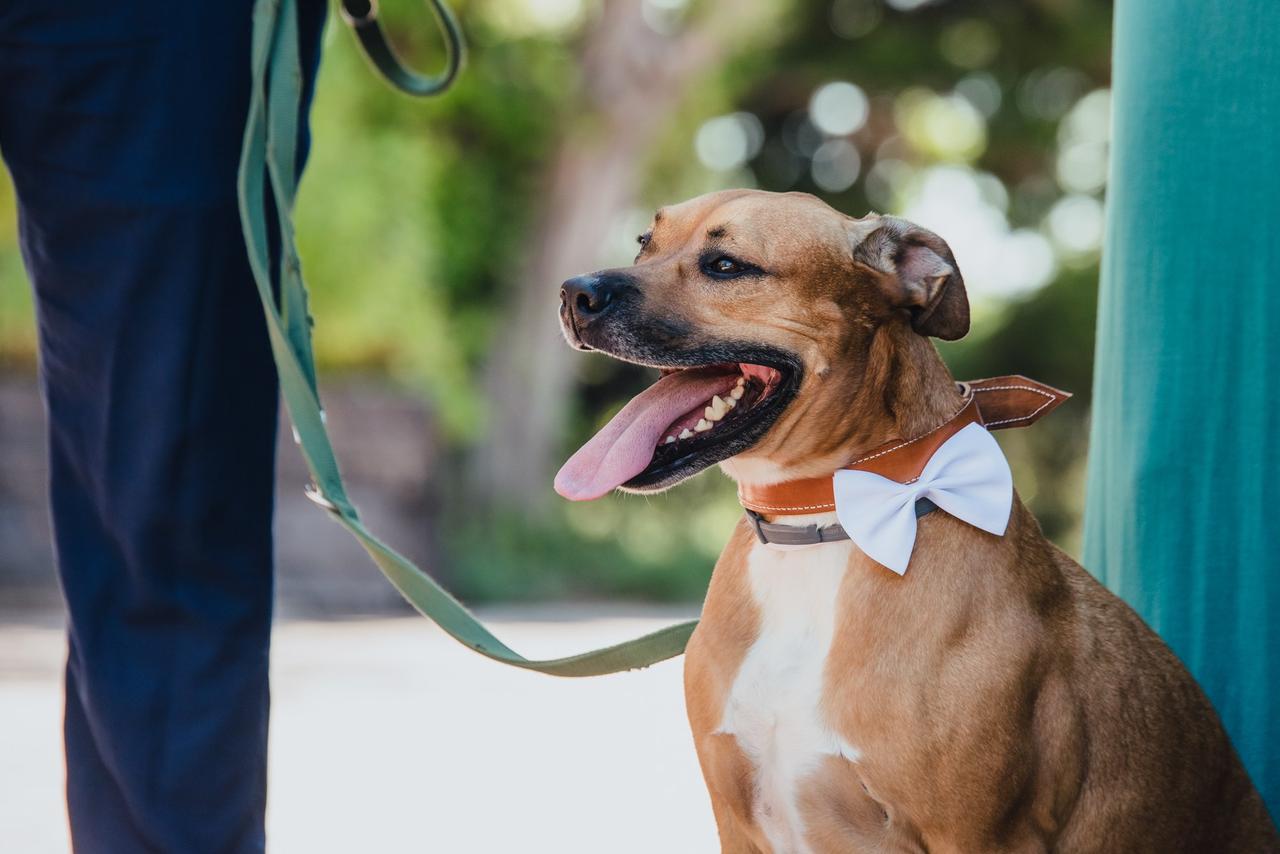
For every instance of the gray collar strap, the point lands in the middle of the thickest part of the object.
(780, 534)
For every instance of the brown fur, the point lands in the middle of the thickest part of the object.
(1001, 698)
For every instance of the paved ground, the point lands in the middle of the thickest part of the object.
(388, 737)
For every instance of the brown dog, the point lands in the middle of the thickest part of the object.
(992, 698)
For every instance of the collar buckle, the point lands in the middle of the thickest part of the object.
(757, 524)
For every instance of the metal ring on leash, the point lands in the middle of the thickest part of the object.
(362, 17)
(313, 493)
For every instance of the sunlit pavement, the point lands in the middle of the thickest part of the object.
(389, 737)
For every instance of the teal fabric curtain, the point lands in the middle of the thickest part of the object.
(1184, 468)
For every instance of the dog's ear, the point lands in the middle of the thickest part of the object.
(917, 273)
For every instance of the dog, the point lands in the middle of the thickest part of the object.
(988, 696)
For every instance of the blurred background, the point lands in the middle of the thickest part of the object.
(435, 235)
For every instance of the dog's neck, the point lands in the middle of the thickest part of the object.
(901, 389)
(913, 393)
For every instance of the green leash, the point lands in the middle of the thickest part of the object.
(268, 170)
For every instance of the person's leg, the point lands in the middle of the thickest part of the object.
(121, 125)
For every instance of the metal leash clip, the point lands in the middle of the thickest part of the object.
(316, 497)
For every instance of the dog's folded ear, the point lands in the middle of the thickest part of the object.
(918, 273)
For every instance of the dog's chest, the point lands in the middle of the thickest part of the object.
(774, 709)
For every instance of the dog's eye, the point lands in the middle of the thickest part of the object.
(724, 267)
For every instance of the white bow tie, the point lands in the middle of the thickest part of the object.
(967, 477)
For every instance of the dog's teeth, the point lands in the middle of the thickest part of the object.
(731, 402)
(716, 410)
(668, 440)
(738, 391)
(686, 433)
(702, 426)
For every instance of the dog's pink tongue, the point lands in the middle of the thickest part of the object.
(624, 447)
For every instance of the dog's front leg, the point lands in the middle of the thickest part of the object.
(730, 779)
(735, 837)
(728, 773)
(730, 783)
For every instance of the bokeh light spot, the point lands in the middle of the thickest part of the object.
(725, 143)
(1075, 223)
(535, 17)
(836, 165)
(1084, 144)
(970, 43)
(887, 183)
(946, 128)
(994, 260)
(983, 91)
(853, 19)
(664, 16)
(1047, 93)
(838, 108)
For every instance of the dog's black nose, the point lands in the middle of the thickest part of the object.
(586, 295)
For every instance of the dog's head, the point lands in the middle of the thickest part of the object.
(760, 309)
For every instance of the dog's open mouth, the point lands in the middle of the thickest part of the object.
(689, 419)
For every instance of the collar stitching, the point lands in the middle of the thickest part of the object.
(950, 418)
(1049, 398)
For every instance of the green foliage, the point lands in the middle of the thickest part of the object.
(17, 326)
(658, 547)
(412, 210)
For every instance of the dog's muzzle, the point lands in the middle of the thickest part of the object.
(587, 301)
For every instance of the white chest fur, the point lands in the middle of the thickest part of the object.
(774, 709)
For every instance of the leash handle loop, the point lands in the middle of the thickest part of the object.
(362, 17)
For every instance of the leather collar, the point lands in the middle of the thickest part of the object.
(996, 403)
(782, 534)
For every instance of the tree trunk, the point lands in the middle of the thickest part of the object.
(633, 78)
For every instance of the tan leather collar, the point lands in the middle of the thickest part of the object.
(996, 403)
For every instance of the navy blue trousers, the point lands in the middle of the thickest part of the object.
(120, 124)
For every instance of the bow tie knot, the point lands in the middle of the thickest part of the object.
(968, 477)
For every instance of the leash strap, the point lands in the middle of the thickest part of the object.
(268, 180)
(362, 17)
